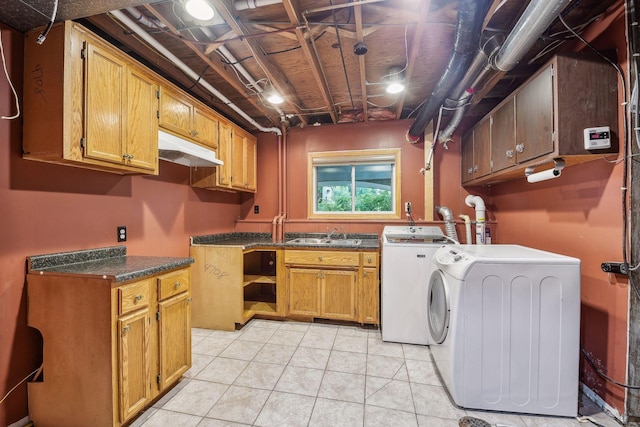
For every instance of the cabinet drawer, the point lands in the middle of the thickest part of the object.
(132, 297)
(337, 258)
(173, 283)
(370, 259)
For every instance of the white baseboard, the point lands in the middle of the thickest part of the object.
(602, 404)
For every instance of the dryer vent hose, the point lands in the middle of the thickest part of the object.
(449, 223)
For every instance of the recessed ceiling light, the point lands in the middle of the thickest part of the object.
(199, 9)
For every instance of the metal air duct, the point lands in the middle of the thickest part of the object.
(470, 17)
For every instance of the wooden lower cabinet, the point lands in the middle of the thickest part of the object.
(339, 285)
(110, 349)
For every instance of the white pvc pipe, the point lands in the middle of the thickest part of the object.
(188, 71)
(477, 201)
(467, 228)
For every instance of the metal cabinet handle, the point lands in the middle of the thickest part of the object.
(137, 298)
(364, 274)
(520, 148)
(369, 260)
(319, 258)
(475, 168)
(470, 171)
(126, 329)
(177, 285)
(510, 154)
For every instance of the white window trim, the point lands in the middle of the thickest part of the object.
(352, 157)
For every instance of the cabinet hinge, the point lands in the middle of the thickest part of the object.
(158, 114)
(157, 315)
(83, 53)
(553, 136)
(82, 141)
(158, 94)
(158, 379)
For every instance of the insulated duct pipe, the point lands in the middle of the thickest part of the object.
(470, 18)
(188, 71)
(534, 21)
(449, 223)
(478, 203)
(253, 4)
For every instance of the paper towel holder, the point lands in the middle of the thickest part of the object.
(546, 174)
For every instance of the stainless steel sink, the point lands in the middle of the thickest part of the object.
(325, 241)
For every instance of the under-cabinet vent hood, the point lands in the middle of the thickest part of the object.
(178, 150)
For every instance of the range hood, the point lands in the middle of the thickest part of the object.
(178, 150)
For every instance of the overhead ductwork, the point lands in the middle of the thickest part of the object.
(253, 4)
(536, 18)
(471, 14)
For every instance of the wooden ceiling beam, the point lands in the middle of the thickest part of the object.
(361, 64)
(275, 75)
(219, 68)
(414, 50)
(306, 43)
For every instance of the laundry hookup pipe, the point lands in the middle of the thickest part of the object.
(467, 228)
(478, 203)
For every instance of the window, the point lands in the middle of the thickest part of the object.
(355, 184)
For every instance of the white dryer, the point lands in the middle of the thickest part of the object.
(504, 323)
(407, 253)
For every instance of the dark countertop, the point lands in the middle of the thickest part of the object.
(109, 263)
(264, 240)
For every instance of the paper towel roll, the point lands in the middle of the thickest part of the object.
(544, 175)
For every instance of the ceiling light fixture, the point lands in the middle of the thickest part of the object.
(275, 98)
(394, 80)
(199, 9)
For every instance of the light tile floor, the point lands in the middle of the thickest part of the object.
(273, 373)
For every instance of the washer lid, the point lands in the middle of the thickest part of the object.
(439, 308)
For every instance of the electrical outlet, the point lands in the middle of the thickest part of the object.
(256, 209)
(407, 207)
(122, 233)
(615, 267)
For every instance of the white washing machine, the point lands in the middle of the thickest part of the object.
(407, 254)
(504, 323)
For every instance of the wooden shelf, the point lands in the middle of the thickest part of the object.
(259, 307)
(251, 278)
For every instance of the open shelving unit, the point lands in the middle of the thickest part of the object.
(259, 283)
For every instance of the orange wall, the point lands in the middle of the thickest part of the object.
(48, 208)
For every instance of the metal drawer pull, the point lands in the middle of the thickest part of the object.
(137, 298)
(126, 329)
(520, 148)
(319, 258)
(177, 285)
(510, 154)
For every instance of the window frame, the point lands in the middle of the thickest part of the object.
(352, 157)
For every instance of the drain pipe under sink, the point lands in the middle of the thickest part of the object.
(478, 203)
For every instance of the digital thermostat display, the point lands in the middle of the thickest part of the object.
(597, 138)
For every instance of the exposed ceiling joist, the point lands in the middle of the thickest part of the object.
(361, 63)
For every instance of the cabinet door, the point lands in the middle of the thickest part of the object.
(534, 117)
(304, 291)
(133, 363)
(225, 136)
(105, 88)
(467, 157)
(338, 294)
(370, 298)
(175, 112)
(205, 128)
(250, 164)
(482, 149)
(237, 161)
(142, 120)
(503, 135)
(174, 338)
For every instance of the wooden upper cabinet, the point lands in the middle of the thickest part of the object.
(467, 157)
(182, 115)
(243, 169)
(87, 104)
(503, 136)
(482, 148)
(545, 118)
(534, 117)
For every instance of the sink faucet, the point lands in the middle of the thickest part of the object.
(344, 233)
(330, 233)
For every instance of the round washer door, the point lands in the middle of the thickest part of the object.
(439, 310)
